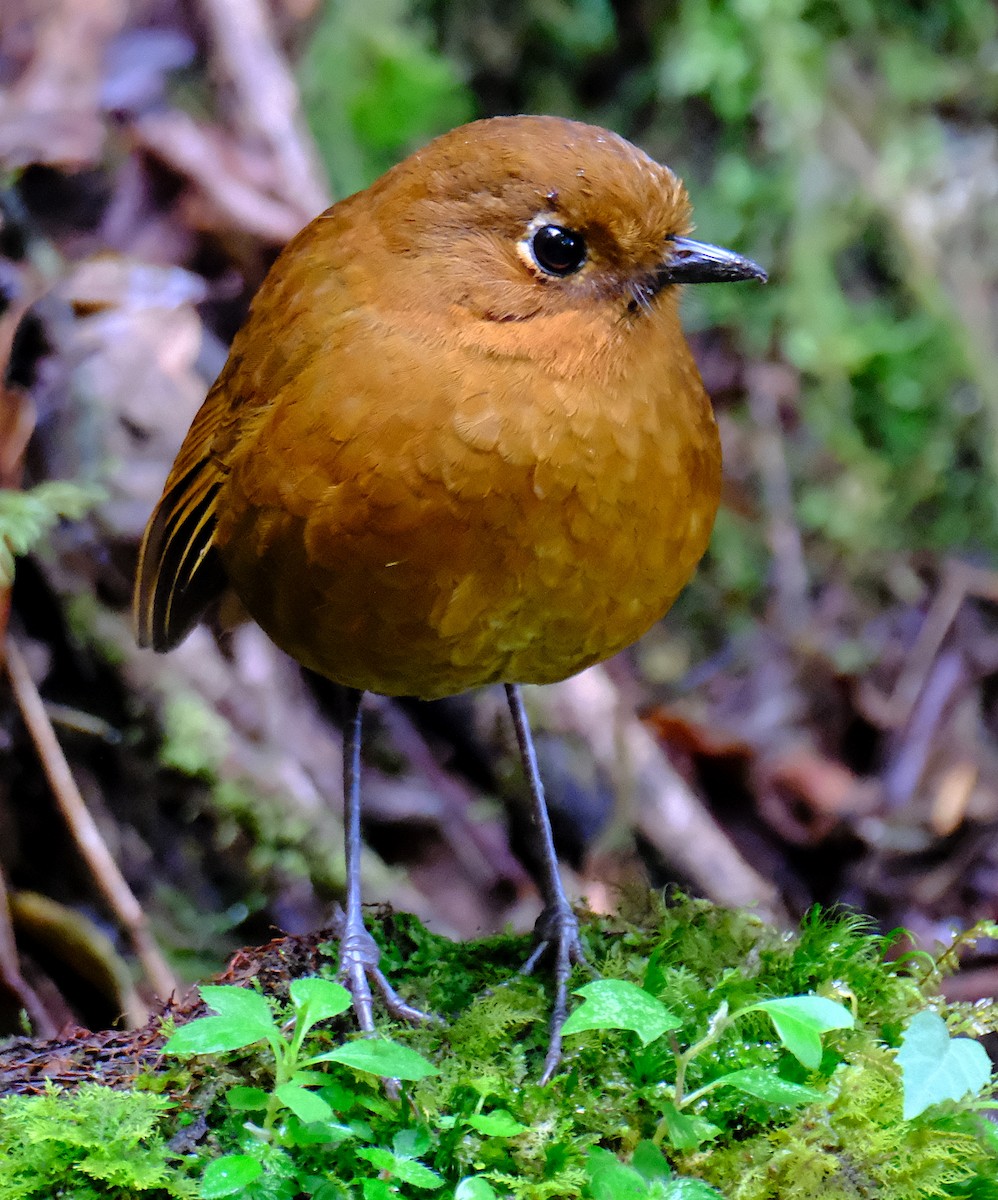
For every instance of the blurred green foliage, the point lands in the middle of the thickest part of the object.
(848, 146)
(26, 518)
(375, 87)
(838, 131)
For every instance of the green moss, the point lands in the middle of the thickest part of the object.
(94, 1142)
(195, 737)
(484, 1115)
(855, 1145)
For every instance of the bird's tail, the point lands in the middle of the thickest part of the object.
(180, 574)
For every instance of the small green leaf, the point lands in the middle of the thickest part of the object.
(229, 1175)
(936, 1067)
(212, 1035)
(244, 1018)
(610, 1179)
(319, 998)
(687, 1132)
(655, 976)
(496, 1124)
(381, 1057)
(689, 1189)
(399, 1162)
(314, 1133)
(379, 1158)
(410, 1171)
(620, 1004)
(306, 1105)
(411, 1142)
(768, 1086)
(648, 1177)
(323, 1189)
(474, 1187)
(801, 1020)
(246, 1099)
(649, 1161)
(242, 1004)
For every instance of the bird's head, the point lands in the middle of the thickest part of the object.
(521, 219)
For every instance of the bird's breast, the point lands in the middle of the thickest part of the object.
(423, 525)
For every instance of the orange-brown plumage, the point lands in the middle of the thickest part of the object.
(459, 440)
(428, 466)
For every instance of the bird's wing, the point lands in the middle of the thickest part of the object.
(179, 573)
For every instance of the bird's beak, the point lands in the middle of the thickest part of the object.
(688, 261)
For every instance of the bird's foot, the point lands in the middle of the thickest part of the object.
(556, 938)
(358, 969)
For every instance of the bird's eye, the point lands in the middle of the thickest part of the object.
(557, 250)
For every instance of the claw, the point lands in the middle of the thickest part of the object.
(359, 968)
(556, 935)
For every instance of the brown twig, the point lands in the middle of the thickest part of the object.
(82, 825)
(667, 812)
(10, 971)
(223, 176)
(767, 383)
(959, 580)
(911, 681)
(266, 98)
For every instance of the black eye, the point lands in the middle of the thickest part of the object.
(558, 251)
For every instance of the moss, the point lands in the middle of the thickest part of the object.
(484, 1114)
(853, 1145)
(195, 737)
(94, 1142)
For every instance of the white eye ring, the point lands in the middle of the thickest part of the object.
(552, 249)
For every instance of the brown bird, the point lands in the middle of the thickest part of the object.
(460, 440)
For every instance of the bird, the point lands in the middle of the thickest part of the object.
(460, 440)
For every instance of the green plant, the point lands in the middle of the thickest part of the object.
(94, 1142)
(647, 1177)
(243, 1018)
(876, 1110)
(935, 1067)
(799, 1022)
(26, 517)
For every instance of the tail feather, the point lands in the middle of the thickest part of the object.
(180, 574)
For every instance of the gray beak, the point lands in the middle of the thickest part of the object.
(698, 262)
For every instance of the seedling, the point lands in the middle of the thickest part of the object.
(799, 1022)
(935, 1067)
(243, 1018)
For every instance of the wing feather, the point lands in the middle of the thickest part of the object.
(180, 574)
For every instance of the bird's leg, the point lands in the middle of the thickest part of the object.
(359, 953)
(557, 930)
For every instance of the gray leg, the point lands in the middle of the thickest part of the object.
(359, 953)
(557, 930)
